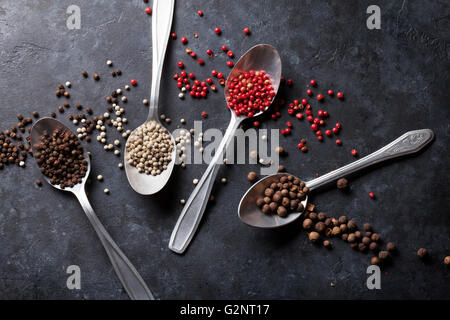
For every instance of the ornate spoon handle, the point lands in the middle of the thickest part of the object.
(410, 142)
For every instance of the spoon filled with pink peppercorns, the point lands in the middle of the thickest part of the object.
(249, 91)
(280, 199)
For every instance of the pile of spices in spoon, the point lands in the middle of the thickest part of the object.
(283, 196)
(150, 148)
(60, 158)
(250, 92)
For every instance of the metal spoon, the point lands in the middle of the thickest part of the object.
(130, 278)
(161, 24)
(249, 213)
(260, 57)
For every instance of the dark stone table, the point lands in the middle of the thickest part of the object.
(394, 79)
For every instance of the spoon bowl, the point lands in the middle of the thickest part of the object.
(131, 280)
(251, 214)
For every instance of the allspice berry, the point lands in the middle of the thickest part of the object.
(314, 236)
(375, 261)
(268, 192)
(327, 244)
(273, 206)
(328, 232)
(362, 247)
(342, 219)
(367, 227)
(383, 255)
(265, 209)
(390, 246)
(342, 184)
(281, 168)
(351, 238)
(307, 224)
(366, 241)
(373, 246)
(320, 227)
(260, 202)
(344, 236)
(252, 176)
(447, 260)
(422, 253)
(336, 231)
(321, 216)
(313, 216)
(281, 211)
(351, 225)
(375, 237)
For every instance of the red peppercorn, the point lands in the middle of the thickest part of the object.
(318, 132)
(173, 35)
(340, 95)
(273, 116)
(304, 102)
(320, 138)
(321, 123)
(354, 152)
(320, 113)
(299, 115)
(204, 114)
(209, 81)
(176, 76)
(309, 92)
(335, 130)
(209, 52)
(291, 111)
(193, 54)
(224, 48)
(220, 75)
(325, 114)
(282, 132)
(287, 131)
(183, 74)
(289, 124)
(372, 195)
(230, 54)
(184, 40)
(133, 82)
(200, 13)
(313, 82)
(201, 61)
(338, 125)
(217, 31)
(246, 31)
(338, 142)
(148, 10)
(314, 127)
(300, 145)
(328, 133)
(310, 118)
(256, 124)
(330, 92)
(289, 82)
(230, 64)
(320, 97)
(191, 75)
(214, 72)
(180, 64)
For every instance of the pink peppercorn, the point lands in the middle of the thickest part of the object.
(148, 10)
(313, 82)
(300, 145)
(209, 52)
(310, 118)
(133, 82)
(289, 124)
(314, 127)
(372, 195)
(191, 75)
(299, 115)
(320, 97)
(184, 40)
(256, 124)
(335, 130)
(289, 82)
(309, 92)
(340, 95)
(338, 142)
(201, 62)
(320, 138)
(330, 92)
(173, 35)
(200, 13)
(354, 152)
(209, 81)
(291, 111)
(214, 72)
(204, 114)
(328, 133)
(304, 102)
(230, 64)
(224, 48)
(180, 64)
(246, 31)
(220, 75)
(230, 54)
(217, 31)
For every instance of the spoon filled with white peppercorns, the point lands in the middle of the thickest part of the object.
(280, 199)
(150, 149)
(65, 165)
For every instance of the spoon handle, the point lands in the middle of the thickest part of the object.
(410, 142)
(130, 278)
(193, 210)
(161, 24)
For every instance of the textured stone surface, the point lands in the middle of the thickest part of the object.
(395, 79)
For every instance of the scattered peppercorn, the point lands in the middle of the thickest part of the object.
(342, 184)
(422, 253)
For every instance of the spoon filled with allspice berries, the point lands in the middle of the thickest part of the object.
(280, 199)
(65, 165)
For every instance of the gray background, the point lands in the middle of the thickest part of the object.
(394, 79)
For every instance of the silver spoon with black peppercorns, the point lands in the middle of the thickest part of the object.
(58, 154)
(250, 213)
